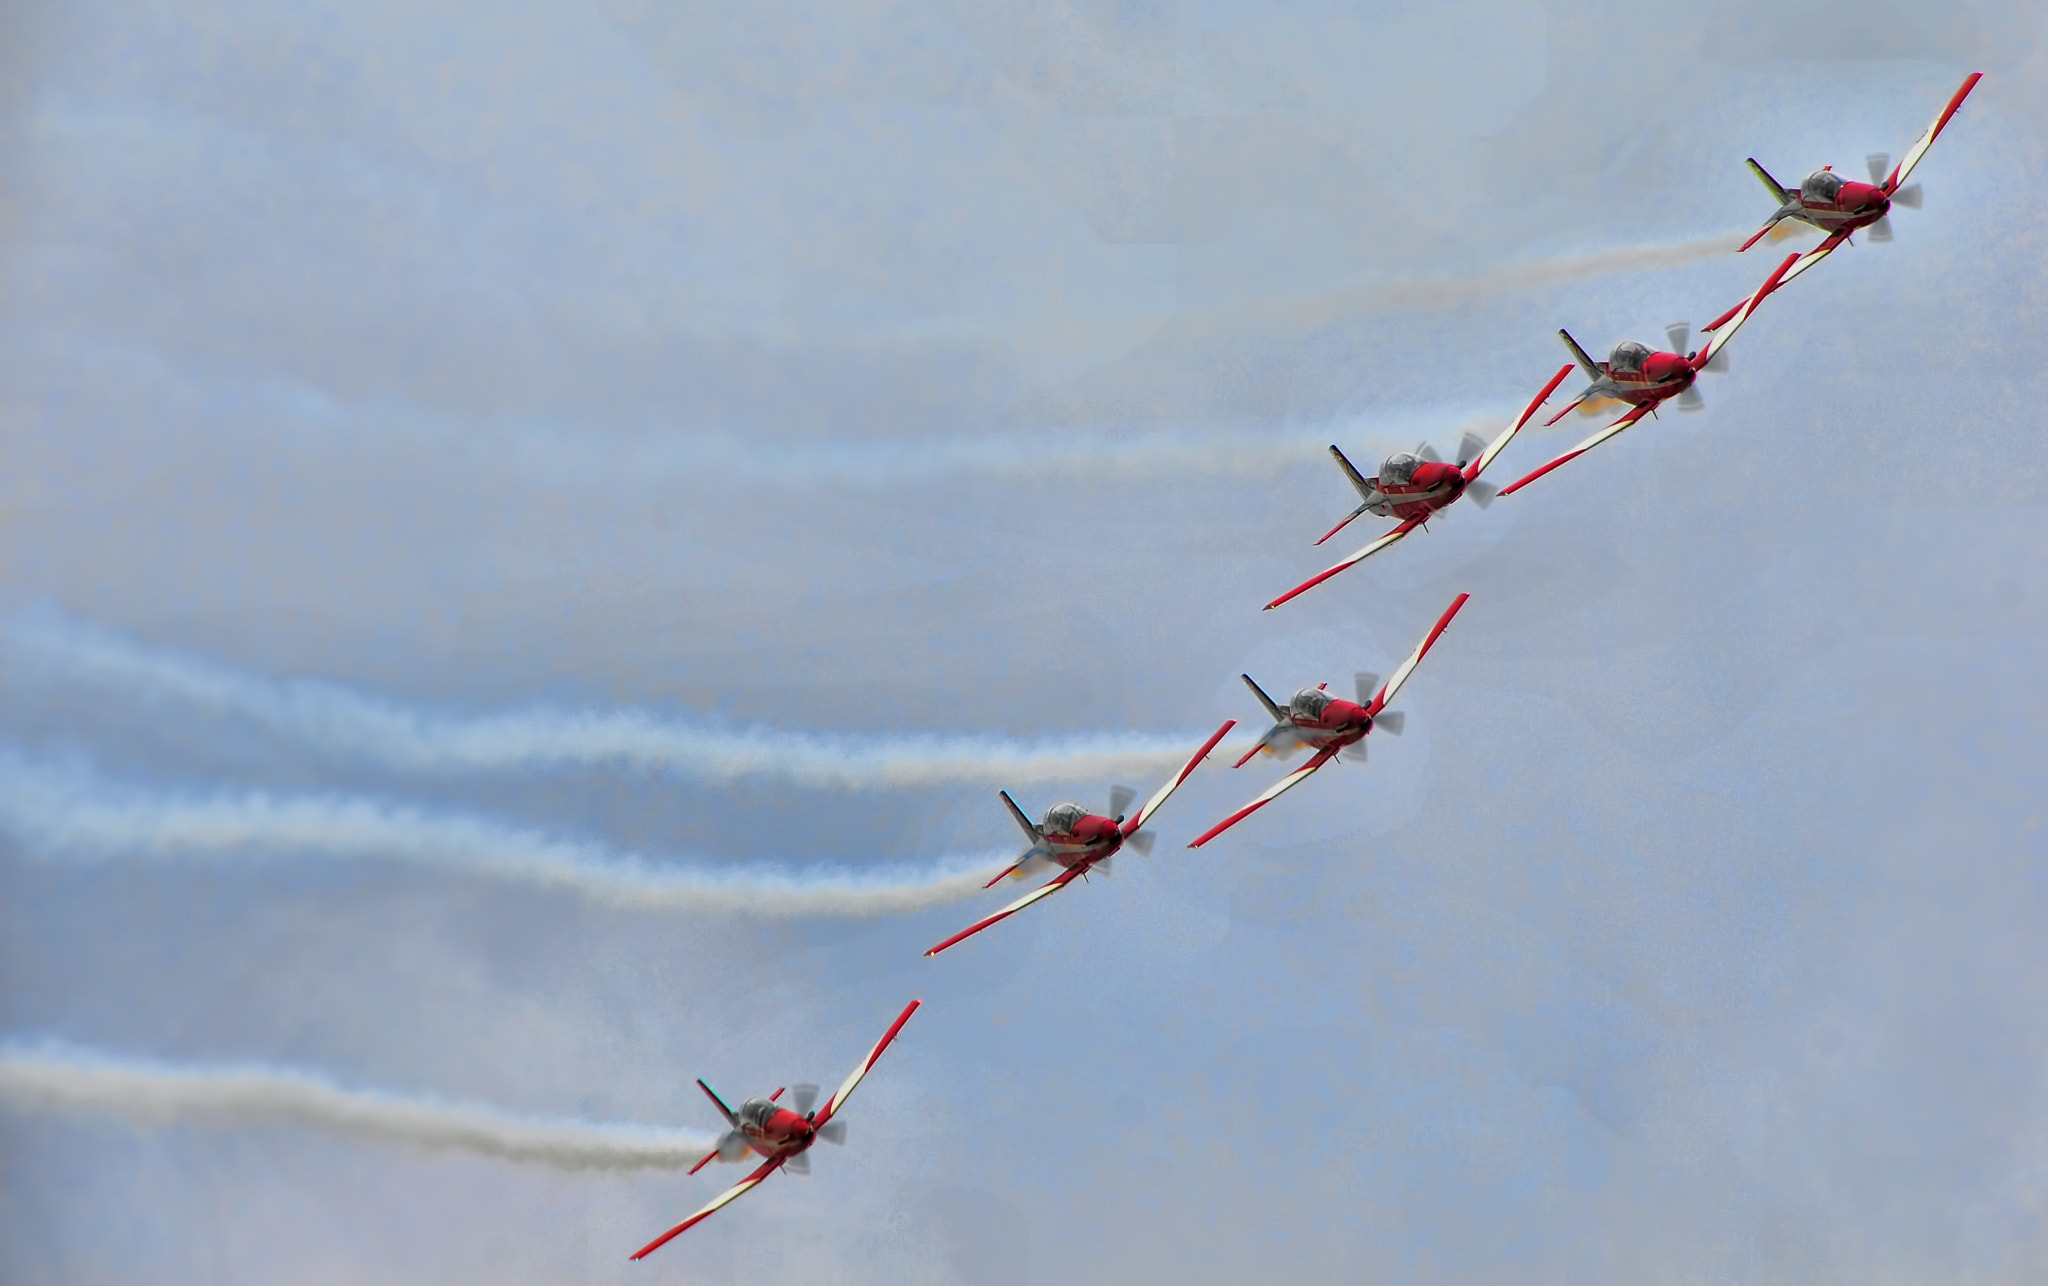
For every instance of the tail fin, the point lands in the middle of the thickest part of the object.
(1023, 822)
(1771, 185)
(1358, 480)
(712, 1094)
(1279, 715)
(1591, 367)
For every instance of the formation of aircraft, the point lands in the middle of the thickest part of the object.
(1410, 487)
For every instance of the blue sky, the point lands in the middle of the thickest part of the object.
(530, 536)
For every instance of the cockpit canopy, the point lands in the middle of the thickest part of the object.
(1309, 703)
(1398, 469)
(1061, 819)
(1821, 185)
(755, 1112)
(1628, 356)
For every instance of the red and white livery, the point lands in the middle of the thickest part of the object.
(1415, 486)
(1328, 725)
(1645, 378)
(1839, 206)
(1079, 841)
(781, 1135)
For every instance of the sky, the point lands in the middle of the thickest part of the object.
(530, 536)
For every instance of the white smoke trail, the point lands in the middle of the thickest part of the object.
(67, 815)
(53, 1078)
(1404, 294)
(340, 722)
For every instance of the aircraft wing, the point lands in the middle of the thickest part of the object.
(1919, 149)
(1834, 242)
(1393, 685)
(845, 1091)
(1500, 443)
(1058, 882)
(1360, 556)
(1279, 788)
(1635, 413)
(1725, 326)
(1143, 815)
(718, 1203)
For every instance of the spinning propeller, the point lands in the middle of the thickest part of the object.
(1470, 447)
(1880, 165)
(1367, 685)
(1679, 335)
(1120, 798)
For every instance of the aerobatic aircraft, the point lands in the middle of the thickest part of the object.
(1080, 841)
(1636, 374)
(1415, 486)
(1329, 725)
(781, 1135)
(1839, 206)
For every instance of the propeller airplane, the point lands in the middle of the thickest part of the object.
(782, 1135)
(1839, 206)
(1080, 841)
(1644, 378)
(1330, 725)
(1415, 486)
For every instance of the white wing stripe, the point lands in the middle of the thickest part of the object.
(1415, 658)
(1152, 805)
(839, 1096)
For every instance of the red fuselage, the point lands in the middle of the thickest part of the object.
(1341, 723)
(1664, 375)
(1090, 839)
(1432, 487)
(1855, 205)
(772, 1130)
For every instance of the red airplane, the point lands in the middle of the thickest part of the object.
(1645, 379)
(1080, 841)
(1329, 724)
(781, 1134)
(1415, 486)
(1839, 206)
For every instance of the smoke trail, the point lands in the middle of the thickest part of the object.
(65, 815)
(1408, 294)
(340, 722)
(54, 1078)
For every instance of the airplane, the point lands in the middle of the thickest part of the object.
(781, 1134)
(1646, 379)
(1329, 724)
(1080, 841)
(1839, 206)
(1415, 486)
